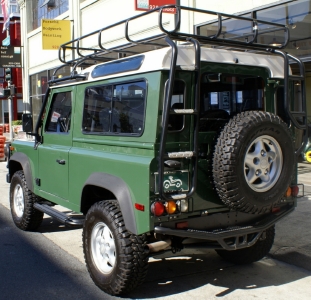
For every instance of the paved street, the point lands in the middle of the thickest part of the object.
(49, 264)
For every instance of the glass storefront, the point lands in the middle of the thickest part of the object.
(44, 9)
(296, 15)
(38, 87)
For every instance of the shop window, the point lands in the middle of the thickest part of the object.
(45, 9)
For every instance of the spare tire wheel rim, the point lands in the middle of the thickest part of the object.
(103, 248)
(263, 163)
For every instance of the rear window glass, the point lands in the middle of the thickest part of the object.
(224, 95)
(232, 93)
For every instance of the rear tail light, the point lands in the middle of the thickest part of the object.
(295, 191)
(157, 208)
(170, 207)
(292, 191)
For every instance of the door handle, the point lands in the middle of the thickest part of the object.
(61, 161)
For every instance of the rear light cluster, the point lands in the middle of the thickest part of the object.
(292, 191)
(170, 207)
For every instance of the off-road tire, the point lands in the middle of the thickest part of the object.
(251, 254)
(240, 140)
(104, 232)
(24, 215)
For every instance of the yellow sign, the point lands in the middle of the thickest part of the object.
(55, 33)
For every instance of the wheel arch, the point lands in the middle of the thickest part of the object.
(102, 186)
(20, 161)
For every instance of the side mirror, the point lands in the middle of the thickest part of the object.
(27, 122)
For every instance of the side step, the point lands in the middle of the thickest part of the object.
(60, 216)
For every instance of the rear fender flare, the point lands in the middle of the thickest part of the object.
(121, 191)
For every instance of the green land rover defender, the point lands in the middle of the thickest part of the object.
(165, 139)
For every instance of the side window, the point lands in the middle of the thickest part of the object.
(59, 117)
(97, 109)
(115, 109)
(176, 122)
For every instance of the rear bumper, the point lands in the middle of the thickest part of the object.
(231, 238)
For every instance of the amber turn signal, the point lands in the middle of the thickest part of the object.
(288, 192)
(170, 207)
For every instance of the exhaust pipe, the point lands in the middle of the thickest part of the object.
(159, 246)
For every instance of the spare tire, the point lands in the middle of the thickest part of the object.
(253, 162)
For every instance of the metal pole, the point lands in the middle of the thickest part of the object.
(10, 116)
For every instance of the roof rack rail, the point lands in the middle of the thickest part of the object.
(86, 56)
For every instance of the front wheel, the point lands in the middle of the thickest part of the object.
(24, 215)
(116, 259)
(251, 254)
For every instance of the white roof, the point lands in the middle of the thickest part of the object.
(161, 60)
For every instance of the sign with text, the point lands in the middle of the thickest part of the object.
(55, 33)
(10, 57)
(151, 4)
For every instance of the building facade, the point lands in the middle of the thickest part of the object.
(87, 16)
(10, 37)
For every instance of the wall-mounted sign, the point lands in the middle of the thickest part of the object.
(10, 57)
(151, 4)
(55, 33)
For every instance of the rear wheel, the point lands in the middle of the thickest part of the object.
(251, 254)
(116, 259)
(24, 215)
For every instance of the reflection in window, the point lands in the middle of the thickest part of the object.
(59, 117)
(176, 121)
(44, 9)
(115, 109)
(225, 95)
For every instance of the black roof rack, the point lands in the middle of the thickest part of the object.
(86, 56)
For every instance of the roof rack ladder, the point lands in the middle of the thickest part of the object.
(298, 118)
(191, 154)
